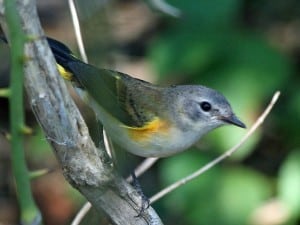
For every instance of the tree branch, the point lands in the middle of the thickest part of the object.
(84, 166)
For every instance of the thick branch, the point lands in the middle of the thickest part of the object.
(84, 166)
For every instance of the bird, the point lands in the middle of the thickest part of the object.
(145, 119)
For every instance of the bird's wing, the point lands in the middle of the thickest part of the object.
(109, 89)
(105, 87)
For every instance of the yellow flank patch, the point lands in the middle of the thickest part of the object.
(64, 73)
(156, 126)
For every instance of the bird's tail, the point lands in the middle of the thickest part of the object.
(62, 54)
(64, 57)
(60, 51)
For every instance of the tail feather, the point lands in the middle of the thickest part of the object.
(63, 55)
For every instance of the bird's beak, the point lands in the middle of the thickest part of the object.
(232, 119)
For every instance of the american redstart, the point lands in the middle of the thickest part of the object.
(145, 119)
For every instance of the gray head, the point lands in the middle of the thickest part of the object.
(201, 109)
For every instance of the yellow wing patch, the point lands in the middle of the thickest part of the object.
(154, 127)
(64, 73)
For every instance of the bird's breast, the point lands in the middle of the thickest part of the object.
(158, 138)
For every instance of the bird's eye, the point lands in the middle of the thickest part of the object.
(205, 106)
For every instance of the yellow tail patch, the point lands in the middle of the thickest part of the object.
(64, 73)
(154, 127)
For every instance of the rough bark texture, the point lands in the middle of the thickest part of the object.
(84, 166)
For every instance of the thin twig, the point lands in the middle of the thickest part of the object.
(4, 92)
(166, 8)
(228, 153)
(77, 30)
(39, 173)
(81, 214)
(143, 167)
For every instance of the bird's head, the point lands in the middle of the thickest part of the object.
(201, 109)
